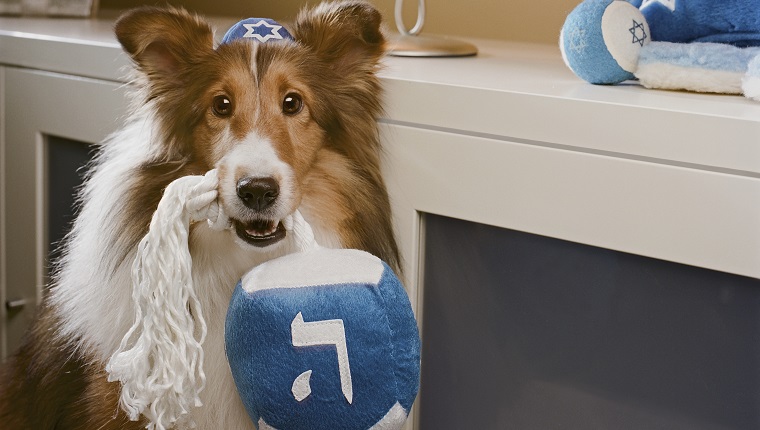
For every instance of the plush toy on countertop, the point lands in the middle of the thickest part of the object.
(695, 45)
(317, 339)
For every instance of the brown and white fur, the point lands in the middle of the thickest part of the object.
(235, 108)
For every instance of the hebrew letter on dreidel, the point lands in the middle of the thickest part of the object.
(328, 332)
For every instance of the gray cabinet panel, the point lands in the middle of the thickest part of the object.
(527, 332)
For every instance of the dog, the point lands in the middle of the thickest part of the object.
(288, 125)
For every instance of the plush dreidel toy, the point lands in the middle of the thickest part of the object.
(694, 45)
(323, 339)
(317, 339)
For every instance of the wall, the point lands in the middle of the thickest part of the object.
(517, 20)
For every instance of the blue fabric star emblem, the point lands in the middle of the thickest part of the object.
(257, 29)
(263, 31)
(638, 32)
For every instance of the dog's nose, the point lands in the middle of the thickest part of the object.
(258, 193)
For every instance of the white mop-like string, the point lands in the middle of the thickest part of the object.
(301, 232)
(160, 359)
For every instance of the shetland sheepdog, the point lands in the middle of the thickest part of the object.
(289, 125)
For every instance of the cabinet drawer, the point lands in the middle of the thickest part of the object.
(697, 217)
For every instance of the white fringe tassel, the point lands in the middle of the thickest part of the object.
(300, 232)
(160, 359)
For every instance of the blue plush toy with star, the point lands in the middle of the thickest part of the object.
(696, 45)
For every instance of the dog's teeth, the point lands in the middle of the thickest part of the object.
(267, 229)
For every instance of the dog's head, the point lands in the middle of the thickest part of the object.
(262, 113)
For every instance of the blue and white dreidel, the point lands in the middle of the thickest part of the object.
(323, 339)
(601, 40)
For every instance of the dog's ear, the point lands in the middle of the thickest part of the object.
(163, 41)
(346, 33)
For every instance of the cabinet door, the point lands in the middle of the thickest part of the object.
(686, 215)
(523, 331)
(46, 117)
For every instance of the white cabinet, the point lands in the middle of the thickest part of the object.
(41, 107)
(602, 178)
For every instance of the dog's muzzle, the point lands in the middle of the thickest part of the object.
(259, 194)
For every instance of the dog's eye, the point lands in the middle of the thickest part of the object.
(292, 104)
(222, 106)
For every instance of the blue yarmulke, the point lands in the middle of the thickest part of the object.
(257, 29)
(323, 340)
(601, 40)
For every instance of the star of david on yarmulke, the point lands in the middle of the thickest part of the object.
(257, 29)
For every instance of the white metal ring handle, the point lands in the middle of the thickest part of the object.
(400, 19)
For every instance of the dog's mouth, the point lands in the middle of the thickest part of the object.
(260, 233)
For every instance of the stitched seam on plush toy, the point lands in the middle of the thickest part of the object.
(397, 390)
(288, 288)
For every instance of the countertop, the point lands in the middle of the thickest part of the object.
(510, 91)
